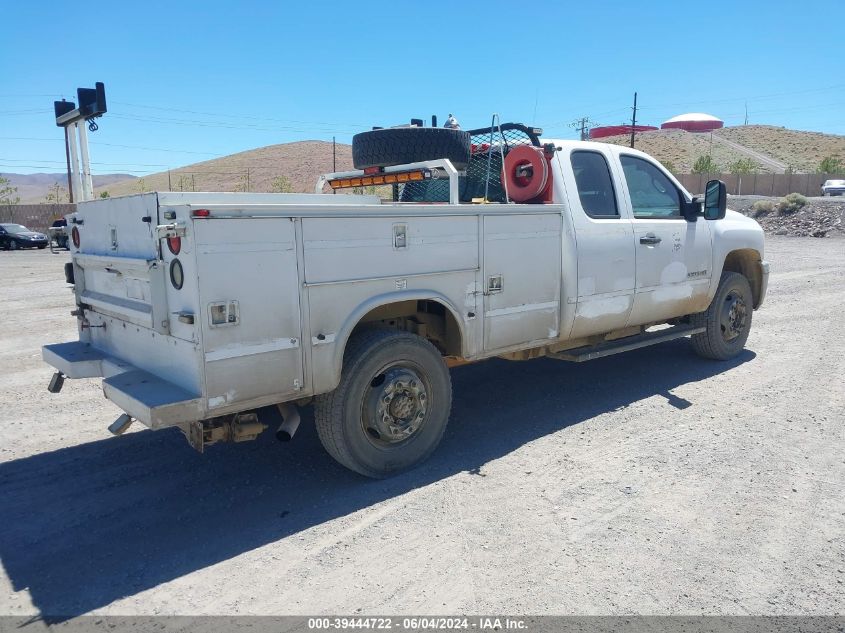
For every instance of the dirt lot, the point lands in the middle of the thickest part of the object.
(654, 482)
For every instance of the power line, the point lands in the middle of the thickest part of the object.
(224, 125)
(58, 162)
(142, 172)
(152, 149)
(583, 125)
(745, 98)
(25, 95)
(653, 106)
(30, 111)
(634, 121)
(243, 116)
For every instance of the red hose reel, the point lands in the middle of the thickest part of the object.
(526, 172)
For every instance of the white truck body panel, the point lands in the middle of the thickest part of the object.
(296, 273)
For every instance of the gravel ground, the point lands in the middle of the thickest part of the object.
(653, 482)
(822, 217)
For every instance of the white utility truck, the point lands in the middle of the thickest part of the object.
(197, 309)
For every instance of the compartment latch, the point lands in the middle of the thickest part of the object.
(164, 231)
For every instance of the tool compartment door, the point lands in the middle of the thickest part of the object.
(249, 308)
(522, 272)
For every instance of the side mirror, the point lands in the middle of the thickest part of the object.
(715, 200)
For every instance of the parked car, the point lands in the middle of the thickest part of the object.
(833, 188)
(15, 236)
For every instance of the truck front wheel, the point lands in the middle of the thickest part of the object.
(390, 409)
(727, 320)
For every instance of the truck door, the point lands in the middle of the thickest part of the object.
(605, 244)
(673, 256)
(249, 306)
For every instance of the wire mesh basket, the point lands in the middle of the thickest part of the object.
(484, 170)
(481, 179)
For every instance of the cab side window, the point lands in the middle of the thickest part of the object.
(595, 186)
(652, 194)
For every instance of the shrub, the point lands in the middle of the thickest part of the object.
(831, 165)
(743, 166)
(791, 203)
(281, 184)
(762, 208)
(705, 165)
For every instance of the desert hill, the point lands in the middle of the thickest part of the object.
(301, 163)
(784, 148)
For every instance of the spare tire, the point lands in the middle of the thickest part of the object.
(398, 146)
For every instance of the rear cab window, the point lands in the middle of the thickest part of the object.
(595, 184)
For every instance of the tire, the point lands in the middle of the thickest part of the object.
(727, 320)
(385, 373)
(13, 245)
(398, 146)
(42, 246)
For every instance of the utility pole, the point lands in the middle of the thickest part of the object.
(634, 121)
(334, 159)
(583, 125)
(169, 184)
(746, 113)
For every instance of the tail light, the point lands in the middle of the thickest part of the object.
(174, 244)
(74, 236)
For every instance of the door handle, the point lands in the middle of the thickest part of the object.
(650, 238)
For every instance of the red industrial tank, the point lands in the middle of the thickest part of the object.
(615, 130)
(693, 122)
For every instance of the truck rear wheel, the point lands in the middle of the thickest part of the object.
(727, 320)
(390, 409)
(398, 146)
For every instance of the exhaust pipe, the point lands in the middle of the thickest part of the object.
(290, 422)
(56, 382)
(119, 426)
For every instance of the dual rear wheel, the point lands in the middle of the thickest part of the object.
(390, 409)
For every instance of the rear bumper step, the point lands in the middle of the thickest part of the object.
(155, 402)
(580, 354)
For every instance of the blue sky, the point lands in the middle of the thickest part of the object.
(188, 81)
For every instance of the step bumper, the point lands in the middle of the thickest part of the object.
(153, 401)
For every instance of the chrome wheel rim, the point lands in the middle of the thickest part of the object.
(396, 404)
(733, 317)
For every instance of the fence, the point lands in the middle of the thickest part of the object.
(760, 184)
(34, 216)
